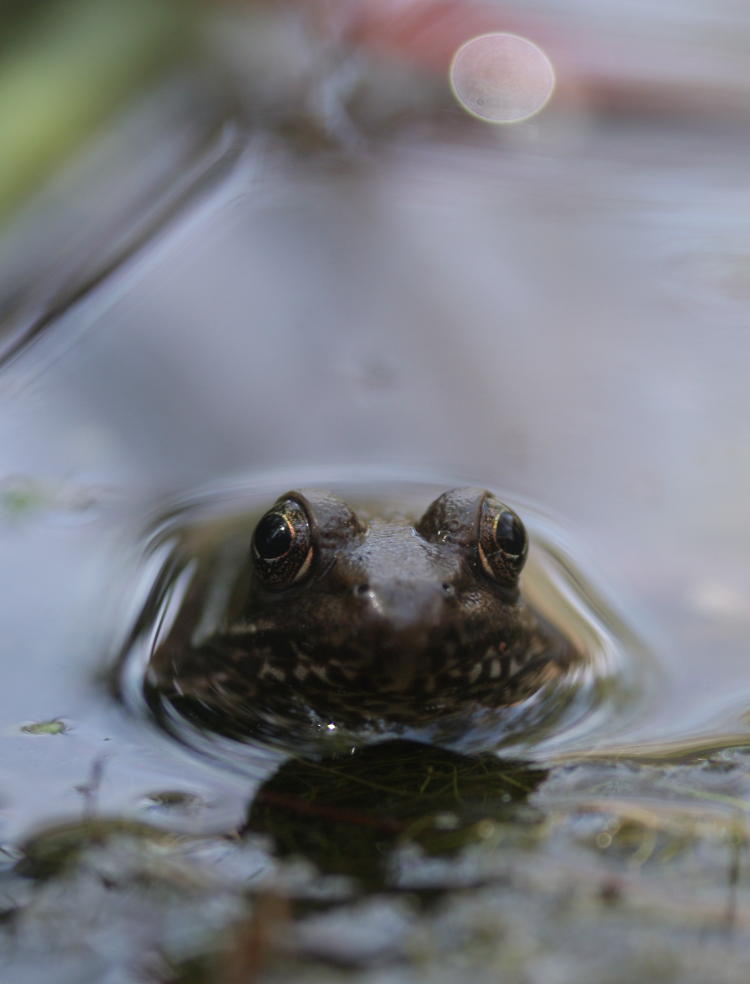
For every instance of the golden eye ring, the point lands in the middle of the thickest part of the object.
(282, 548)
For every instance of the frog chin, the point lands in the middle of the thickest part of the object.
(400, 672)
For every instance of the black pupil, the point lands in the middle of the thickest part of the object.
(510, 535)
(273, 537)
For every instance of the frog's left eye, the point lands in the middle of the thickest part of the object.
(282, 544)
(502, 544)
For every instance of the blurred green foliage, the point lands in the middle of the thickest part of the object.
(66, 65)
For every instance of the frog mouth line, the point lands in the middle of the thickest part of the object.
(450, 662)
(272, 708)
(278, 667)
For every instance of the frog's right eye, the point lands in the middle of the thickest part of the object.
(282, 544)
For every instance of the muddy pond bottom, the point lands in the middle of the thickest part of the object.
(332, 615)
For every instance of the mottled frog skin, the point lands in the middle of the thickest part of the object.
(359, 614)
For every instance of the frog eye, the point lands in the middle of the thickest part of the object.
(502, 543)
(282, 544)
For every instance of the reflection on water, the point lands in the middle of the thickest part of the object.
(374, 797)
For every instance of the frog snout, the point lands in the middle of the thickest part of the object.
(404, 621)
(404, 608)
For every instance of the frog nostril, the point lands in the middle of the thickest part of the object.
(448, 590)
(361, 590)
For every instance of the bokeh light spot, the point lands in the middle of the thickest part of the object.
(501, 78)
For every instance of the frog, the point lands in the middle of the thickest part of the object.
(356, 615)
